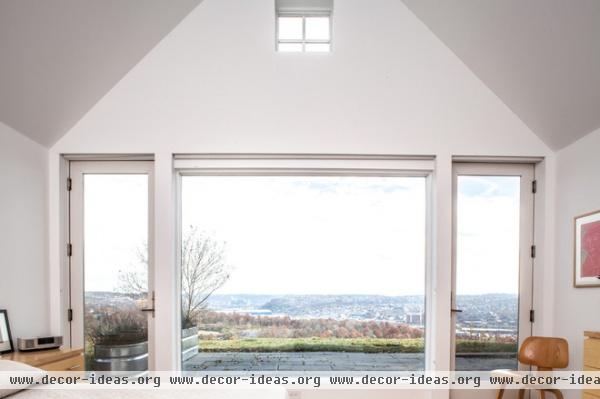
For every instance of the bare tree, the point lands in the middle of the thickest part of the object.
(134, 281)
(203, 271)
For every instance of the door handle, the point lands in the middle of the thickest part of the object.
(150, 309)
(456, 310)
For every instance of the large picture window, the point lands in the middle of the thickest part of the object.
(300, 273)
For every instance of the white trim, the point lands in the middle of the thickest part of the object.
(544, 219)
(324, 156)
(495, 159)
(108, 157)
(167, 313)
(178, 235)
(304, 5)
(429, 274)
(320, 164)
(441, 268)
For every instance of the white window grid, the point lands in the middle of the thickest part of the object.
(303, 41)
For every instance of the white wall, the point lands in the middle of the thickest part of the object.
(23, 233)
(578, 192)
(216, 85)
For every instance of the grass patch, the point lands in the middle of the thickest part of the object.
(466, 346)
(366, 345)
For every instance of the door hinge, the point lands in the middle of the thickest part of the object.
(70, 315)
(532, 316)
(533, 251)
(69, 249)
(534, 186)
(69, 184)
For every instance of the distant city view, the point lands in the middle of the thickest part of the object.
(482, 316)
(228, 319)
(338, 307)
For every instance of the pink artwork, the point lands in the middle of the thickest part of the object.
(590, 249)
(587, 250)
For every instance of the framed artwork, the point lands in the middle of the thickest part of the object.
(587, 250)
(6, 345)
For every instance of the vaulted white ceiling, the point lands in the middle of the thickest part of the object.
(541, 57)
(59, 57)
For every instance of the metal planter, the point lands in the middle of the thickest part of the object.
(130, 357)
(189, 343)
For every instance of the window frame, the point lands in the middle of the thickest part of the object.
(303, 41)
(315, 165)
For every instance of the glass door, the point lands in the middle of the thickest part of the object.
(493, 264)
(111, 297)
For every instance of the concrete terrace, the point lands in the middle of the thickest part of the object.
(330, 361)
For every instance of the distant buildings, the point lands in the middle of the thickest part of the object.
(414, 319)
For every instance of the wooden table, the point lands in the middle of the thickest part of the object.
(62, 359)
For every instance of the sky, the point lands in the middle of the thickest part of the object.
(115, 227)
(312, 235)
(487, 234)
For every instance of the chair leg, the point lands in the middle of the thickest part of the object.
(557, 393)
(500, 393)
(522, 393)
(542, 394)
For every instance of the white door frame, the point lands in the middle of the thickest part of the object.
(320, 165)
(526, 231)
(75, 231)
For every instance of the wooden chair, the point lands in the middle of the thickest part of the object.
(546, 354)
